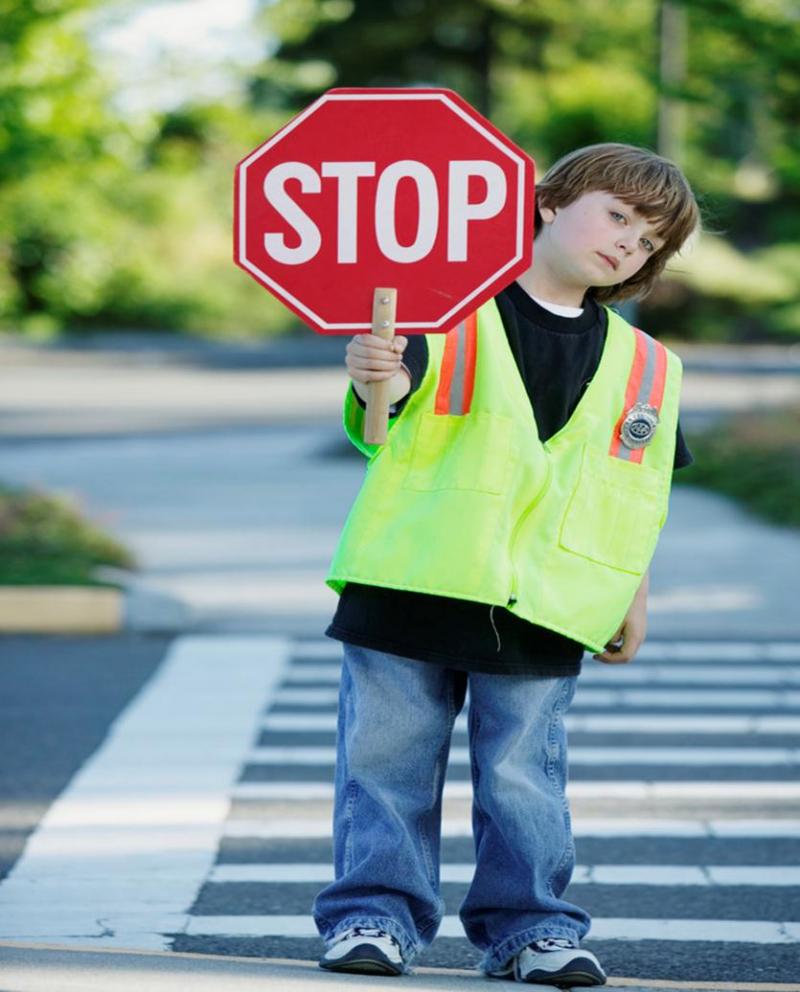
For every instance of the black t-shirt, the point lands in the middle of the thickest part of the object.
(557, 358)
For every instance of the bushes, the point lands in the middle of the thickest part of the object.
(755, 459)
(44, 540)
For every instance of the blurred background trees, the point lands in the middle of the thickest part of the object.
(110, 221)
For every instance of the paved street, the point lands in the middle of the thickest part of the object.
(201, 822)
(169, 790)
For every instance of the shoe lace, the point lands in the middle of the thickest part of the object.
(368, 932)
(552, 944)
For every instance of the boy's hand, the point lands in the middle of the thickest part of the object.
(369, 358)
(631, 633)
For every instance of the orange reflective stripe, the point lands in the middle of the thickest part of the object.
(442, 404)
(457, 373)
(645, 385)
(469, 361)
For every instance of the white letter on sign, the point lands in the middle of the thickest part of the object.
(461, 211)
(275, 192)
(348, 174)
(428, 207)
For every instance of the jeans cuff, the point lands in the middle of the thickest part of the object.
(498, 957)
(408, 948)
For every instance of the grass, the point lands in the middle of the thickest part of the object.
(754, 458)
(44, 540)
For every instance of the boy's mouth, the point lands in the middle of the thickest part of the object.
(611, 261)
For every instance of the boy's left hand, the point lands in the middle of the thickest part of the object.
(631, 634)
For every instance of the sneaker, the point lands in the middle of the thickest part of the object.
(553, 961)
(364, 951)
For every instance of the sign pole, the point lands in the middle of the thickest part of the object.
(376, 420)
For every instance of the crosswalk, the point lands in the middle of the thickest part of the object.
(685, 795)
(203, 822)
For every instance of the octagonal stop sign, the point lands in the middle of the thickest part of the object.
(406, 189)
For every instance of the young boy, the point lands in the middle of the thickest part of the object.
(506, 525)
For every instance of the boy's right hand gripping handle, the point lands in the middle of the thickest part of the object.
(376, 419)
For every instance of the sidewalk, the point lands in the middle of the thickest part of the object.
(133, 423)
(124, 384)
(32, 968)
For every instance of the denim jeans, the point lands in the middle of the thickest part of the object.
(395, 721)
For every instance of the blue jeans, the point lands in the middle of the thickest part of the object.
(396, 717)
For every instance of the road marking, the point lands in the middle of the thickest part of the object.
(726, 931)
(776, 792)
(269, 827)
(122, 852)
(651, 650)
(746, 699)
(633, 755)
(651, 723)
(660, 875)
(650, 674)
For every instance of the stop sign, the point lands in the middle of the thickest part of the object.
(366, 188)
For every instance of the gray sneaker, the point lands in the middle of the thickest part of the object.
(364, 951)
(553, 961)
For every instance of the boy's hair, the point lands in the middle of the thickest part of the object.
(639, 177)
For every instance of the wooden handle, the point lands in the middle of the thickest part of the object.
(376, 421)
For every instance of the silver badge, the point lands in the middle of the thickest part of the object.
(639, 426)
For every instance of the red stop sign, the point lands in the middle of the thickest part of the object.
(366, 188)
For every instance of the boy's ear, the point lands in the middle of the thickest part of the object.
(547, 214)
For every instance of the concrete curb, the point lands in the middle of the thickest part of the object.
(31, 967)
(91, 609)
(61, 610)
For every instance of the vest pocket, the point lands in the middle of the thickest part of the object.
(469, 451)
(615, 512)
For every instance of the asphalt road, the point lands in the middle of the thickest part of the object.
(687, 833)
(147, 796)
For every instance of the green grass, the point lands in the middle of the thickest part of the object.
(755, 458)
(44, 540)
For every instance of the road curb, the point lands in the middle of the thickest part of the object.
(90, 610)
(45, 967)
(61, 610)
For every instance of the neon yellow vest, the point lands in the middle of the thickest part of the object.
(464, 500)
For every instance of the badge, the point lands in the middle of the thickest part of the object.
(639, 426)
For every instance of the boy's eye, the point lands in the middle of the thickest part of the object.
(616, 213)
(648, 244)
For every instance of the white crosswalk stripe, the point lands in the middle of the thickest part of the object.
(636, 755)
(618, 827)
(707, 875)
(645, 673)
(218, 783)
(651, 723)
(739, 703)
(611, 698)
(776, 792)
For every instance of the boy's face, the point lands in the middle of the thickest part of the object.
(598, 239)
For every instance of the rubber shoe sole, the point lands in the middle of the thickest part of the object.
(363, 958)
(581, 971)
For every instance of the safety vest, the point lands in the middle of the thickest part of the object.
(464, 500)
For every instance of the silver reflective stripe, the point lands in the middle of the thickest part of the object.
(457, 382)
(646, 385)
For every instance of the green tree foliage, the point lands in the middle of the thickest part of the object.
(105, 222)
(109, 221)
(555, 74)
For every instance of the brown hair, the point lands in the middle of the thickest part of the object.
(651, 183)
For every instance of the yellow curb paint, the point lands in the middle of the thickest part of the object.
(659, 983)
(299, 964)
(60, 610)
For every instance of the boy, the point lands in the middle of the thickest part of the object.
(506, 525)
